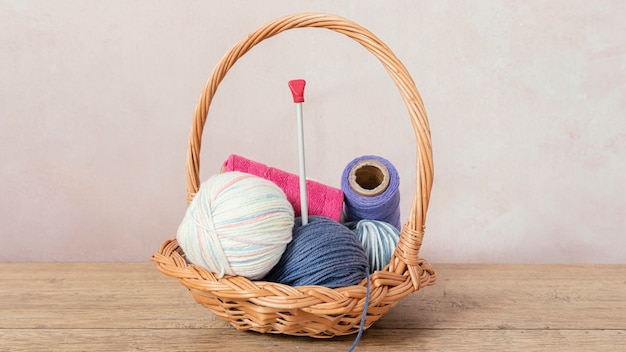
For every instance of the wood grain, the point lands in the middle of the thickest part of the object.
(188, 340)
(132, 307)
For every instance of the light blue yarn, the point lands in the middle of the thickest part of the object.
(323, 252)
(378, 238)
(384, 207)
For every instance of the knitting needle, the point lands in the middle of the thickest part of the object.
(297, 90)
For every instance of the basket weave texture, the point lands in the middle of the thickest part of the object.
(314, 311)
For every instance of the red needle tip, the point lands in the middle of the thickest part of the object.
(297, 90)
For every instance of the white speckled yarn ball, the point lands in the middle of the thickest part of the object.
(237, 224)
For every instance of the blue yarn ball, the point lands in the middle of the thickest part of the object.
(323, 252)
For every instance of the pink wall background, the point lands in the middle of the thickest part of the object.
(527, 104)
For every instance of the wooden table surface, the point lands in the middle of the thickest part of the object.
(133, 307)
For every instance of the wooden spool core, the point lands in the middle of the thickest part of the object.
(369, 178)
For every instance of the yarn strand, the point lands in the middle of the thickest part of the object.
(364, 314)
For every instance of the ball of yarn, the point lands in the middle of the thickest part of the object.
(378, 238)
(323, 252)
(237, 224)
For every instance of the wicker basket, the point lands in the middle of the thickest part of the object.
(314, 311)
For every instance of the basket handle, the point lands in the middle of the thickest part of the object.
(413, 230)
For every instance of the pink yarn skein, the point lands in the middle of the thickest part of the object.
(323, 200)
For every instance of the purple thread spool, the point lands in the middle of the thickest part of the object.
(371, 190)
